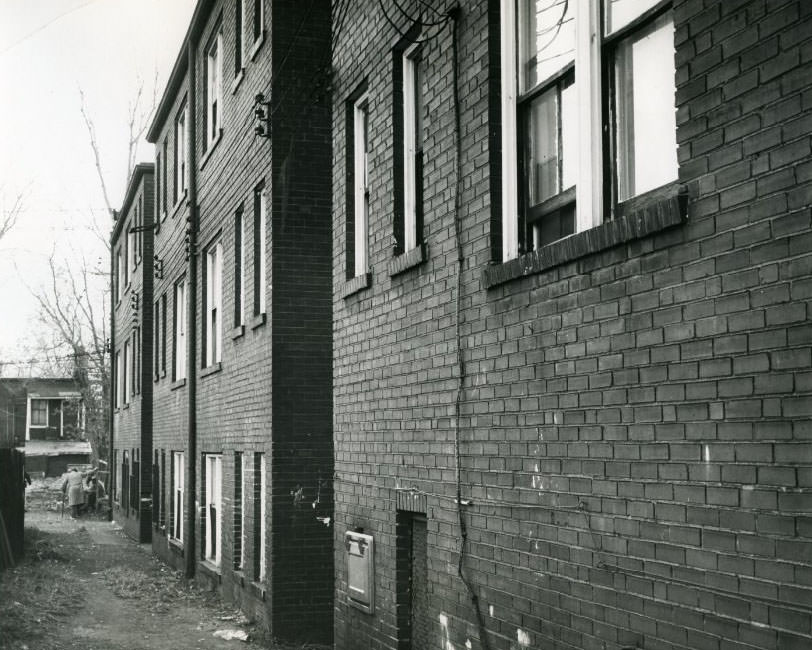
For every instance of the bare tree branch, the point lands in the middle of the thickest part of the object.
(8, 216)
(94, 145)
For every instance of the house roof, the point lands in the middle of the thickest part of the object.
(140, 170)
(54, 388)
(55, 447)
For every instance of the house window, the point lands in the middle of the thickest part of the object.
(128, 371)
(176, 511)
(156, 345)
(259, 19)
(239, 266)
(238, 510)
(127, 261)
(162, 514)
(238, 53)
(136, 379)
(179, 339)
(124, 479)
(156, 490)
(556, 147)
(163, 178)
(158, 167)
(212, 501)
(39, 413)
(259, 517)
(212, 327)
(179, 189)
(260, 217)
(409, 226)
(214, 95)
(119, 384)
(358, 188)
(163, 334)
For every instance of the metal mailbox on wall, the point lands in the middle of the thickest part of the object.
(360, 571)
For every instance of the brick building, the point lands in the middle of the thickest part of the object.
(239, 472)
(131, 245)
(571, 281)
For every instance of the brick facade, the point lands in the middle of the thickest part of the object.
(634, 455)
(131, 487)
(259, 395)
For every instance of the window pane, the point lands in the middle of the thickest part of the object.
(620, 13)
(546, 39)
(569, 136)
(542, 158)
(646, 120)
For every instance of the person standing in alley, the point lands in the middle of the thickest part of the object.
(73, 486)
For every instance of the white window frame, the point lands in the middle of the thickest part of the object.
(239, 266)
(214, 496)
(258, 21)
(128, 368)
(179, 329)
(214, 88)
(360, 185)
(214, 303)
(589, 188)
(263, 484)
(181, 145)
(411, 61)
(245, 461)
(239, 37)
(260, 225)
(119, 370)
(31, 401)
(178, 494)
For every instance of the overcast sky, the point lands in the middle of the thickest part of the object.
(48, 50)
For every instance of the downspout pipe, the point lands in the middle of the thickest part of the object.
(111, 412)
(190, 550)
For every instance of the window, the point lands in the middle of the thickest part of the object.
(259, 517)
(176, 511)
(136, 379)
(238, 54)
(128, 371)
(409, 167)
(179, 339)
(119, 382)
(39, 413)
(124, 479)
(212, 326)
(214, 95)
(239, 265)
(259, 19)
(156, 345)
(212, 503)
(358, 188)
(239, 510)
(259, 248)
(127, 261)
(158, 190)
(118, 276)
(162, 514)
(163, 334)
(163, 178)
(156, 490)
(180, 155)
(557, 147)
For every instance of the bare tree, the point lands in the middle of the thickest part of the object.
(75, 304)
(8, 216)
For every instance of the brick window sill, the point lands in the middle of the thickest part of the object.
(211, 147)
(237, 332)
(356, 284)
(180, 202)
(237, 80)
(212, 369)
(640, 220)
(257, 45)
(408, 260)
(257, 321)
(257, 590)
(180, 383)
(210, 569)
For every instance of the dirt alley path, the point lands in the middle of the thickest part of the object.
(85, 585)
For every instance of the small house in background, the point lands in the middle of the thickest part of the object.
(45, 418)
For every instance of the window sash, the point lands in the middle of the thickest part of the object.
(127, 371)
(239, 266)
(214, 309)
(180, 330)
(260, 219)
(214, 507)
(412, 145)
(259, 19)
(214, 88)
(39, 413)
(180, 155)
(178, 469)
(360, 184)
(238, 44)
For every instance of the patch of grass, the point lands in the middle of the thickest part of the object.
(37, 592)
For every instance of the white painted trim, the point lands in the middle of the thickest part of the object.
(409, 149)
(510, 173)
(62, 419)
(589, 184)
(360, 178)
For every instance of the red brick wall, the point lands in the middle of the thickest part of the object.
(634, 431)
